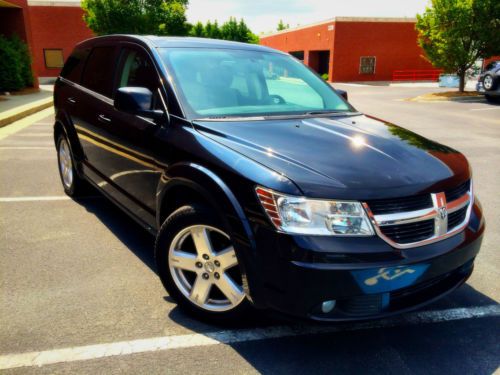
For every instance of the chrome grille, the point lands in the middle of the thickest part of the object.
(457, 192)
(408, 233)
(440, 219)
(457, 217)
(389, 206)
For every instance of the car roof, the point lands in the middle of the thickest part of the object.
(154, 41)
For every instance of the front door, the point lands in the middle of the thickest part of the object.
(131, 169)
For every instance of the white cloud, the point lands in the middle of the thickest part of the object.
(264, 15)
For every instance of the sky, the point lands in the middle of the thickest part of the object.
(262, 16)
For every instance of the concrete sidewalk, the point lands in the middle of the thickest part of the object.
(470, 84)
(15, 107)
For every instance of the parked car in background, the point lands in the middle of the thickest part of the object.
(263, 186)
(489, 82)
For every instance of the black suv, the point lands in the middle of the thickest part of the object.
(263, 186)
(488, 82)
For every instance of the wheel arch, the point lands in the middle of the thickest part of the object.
(186, 181)
(61, 126)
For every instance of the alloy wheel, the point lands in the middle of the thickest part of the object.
(65, 163)
(204, 267)
(488, 82)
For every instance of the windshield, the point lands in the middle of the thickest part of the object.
(227, 83)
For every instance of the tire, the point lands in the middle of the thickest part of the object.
(492, 99)
(198, 275)
(489, 82)
(73, 184)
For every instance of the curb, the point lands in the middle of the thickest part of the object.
(452, 99)
(25, 110)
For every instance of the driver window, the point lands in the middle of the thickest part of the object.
(138, 71)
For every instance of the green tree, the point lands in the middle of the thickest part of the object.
(282, 26)
(197, 30)
(158, 17)
(230, 30)
(455, 33)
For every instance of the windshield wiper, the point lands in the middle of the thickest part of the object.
(325, 112)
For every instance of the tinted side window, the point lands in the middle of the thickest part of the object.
(73, 67)
(98, 74)
(138, 71)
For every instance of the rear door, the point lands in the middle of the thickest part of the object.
(93, 109)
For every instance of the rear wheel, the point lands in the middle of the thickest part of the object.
(72, 183)
(198, 266)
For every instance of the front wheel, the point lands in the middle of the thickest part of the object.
(489, 82)
(198, 266)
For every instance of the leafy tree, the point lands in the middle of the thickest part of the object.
(282, 26)
(158, 17)
(455, 33)
(230, 30)
(197, 30)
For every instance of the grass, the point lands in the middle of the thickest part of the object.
(445, 95)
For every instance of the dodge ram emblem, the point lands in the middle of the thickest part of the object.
(443, 213)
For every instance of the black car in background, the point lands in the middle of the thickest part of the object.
(263, 186)
(488, 82)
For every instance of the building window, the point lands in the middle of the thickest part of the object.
(53, 58)
(298, 55)
(367, 65)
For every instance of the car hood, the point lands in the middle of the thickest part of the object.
(349, 157)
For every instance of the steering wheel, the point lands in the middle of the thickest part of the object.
(275, 99)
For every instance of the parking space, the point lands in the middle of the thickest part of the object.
(79, 292)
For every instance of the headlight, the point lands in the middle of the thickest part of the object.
(300, 215)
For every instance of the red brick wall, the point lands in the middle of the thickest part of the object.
(490, 59)
(394, 44)
(58, 27)
(18, 22)
(314, 38)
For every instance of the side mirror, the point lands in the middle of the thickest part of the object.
(136, 101)
(342, 93)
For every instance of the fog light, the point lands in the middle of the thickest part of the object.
(327, 306)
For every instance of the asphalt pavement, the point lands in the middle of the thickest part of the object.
(79, 292)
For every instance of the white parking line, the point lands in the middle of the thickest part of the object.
(27, 148)
(485, 109)
(35, 199)
(36, 135)
(24, 123)
(88, 352)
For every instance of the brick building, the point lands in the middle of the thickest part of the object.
(357, 49)
(51, 29)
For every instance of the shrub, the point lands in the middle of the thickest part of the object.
(15, 64)
(24, 58)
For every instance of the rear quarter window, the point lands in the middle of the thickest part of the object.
(98, 73)
(73, 67)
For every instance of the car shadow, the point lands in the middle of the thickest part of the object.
(456, 346)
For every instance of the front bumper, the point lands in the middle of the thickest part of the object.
(364, 276)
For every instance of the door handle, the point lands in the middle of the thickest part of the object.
(103, 118)
(71, 100)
